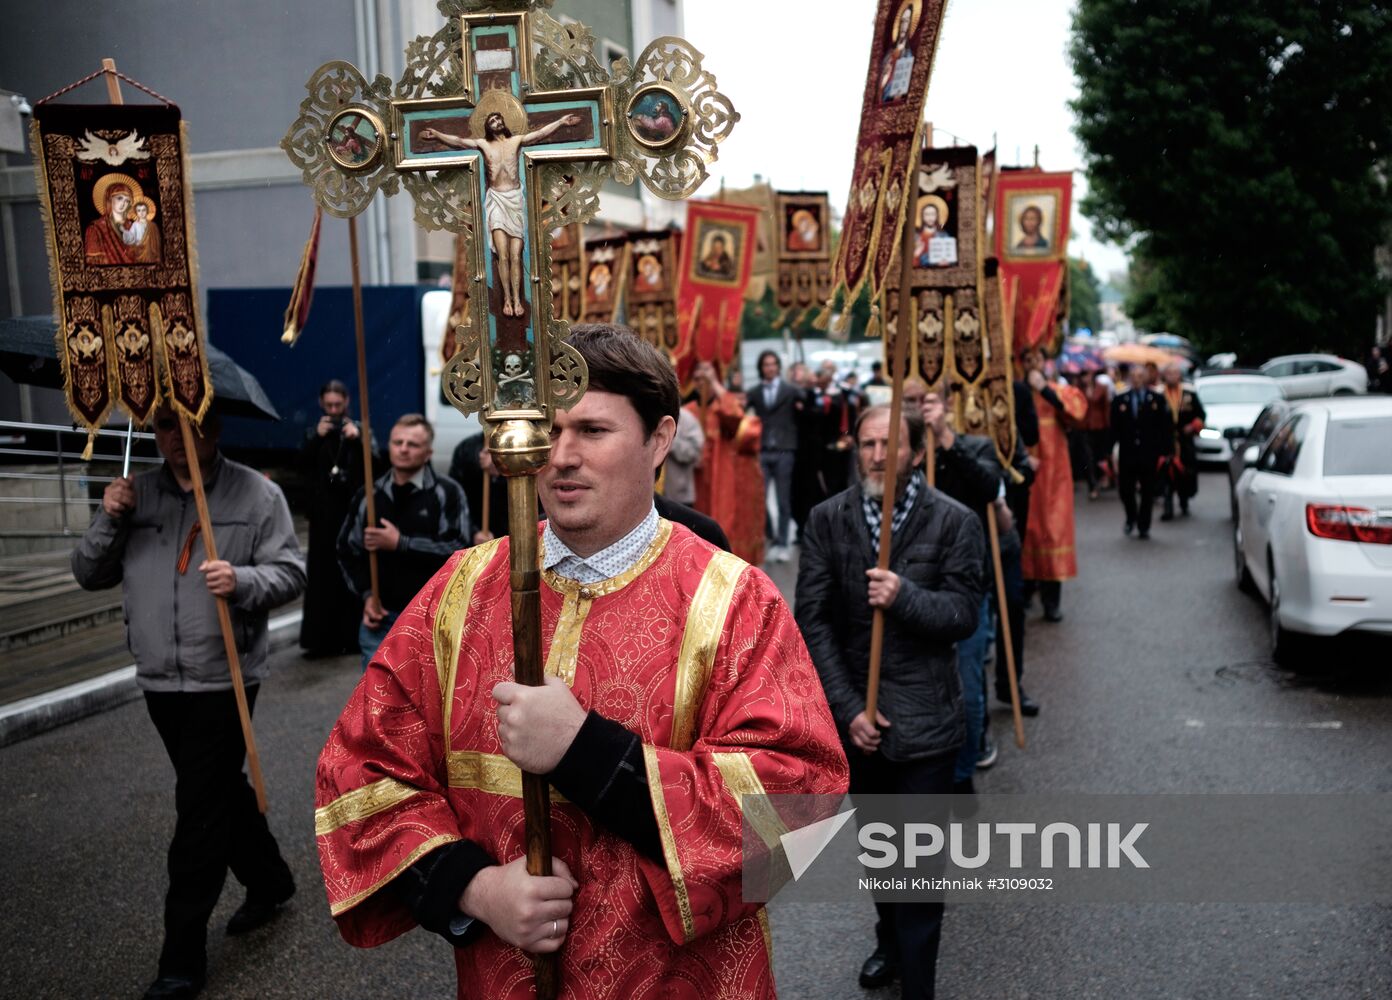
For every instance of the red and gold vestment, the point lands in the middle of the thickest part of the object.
(693, 650)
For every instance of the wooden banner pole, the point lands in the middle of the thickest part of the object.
(1003, 609)
(234, 663)
(487, 502)
(891, 475)
(364, 425)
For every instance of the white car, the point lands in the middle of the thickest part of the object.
(1231, 405)
(1303, 376)
(1313, 533)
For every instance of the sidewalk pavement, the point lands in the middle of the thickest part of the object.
(28, 717)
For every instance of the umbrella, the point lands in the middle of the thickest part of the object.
(1077, 360)
(1139, 354)
(29, 355)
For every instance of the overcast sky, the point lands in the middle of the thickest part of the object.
(796, 71)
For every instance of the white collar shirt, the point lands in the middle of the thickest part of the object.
(608, 562)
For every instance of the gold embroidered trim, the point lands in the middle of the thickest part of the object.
(742, 782)
(768, 934)
(361, 803)
(562, 585)
(449, 621)
(565, 642)
(669, 841)
(705, 621)
(425, 848)
(487, 772)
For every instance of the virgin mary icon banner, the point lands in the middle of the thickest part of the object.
(114, 194)
(803, 225)
(886, 156)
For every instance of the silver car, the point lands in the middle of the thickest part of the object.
(1303, 376)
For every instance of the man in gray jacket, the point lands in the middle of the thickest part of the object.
(147, 533)
(931, 596)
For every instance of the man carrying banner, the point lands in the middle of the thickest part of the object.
(187, 687)
(931, 596)
(650, 732)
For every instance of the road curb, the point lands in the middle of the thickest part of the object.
(32, 716)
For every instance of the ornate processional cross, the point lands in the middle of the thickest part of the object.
(503, 127)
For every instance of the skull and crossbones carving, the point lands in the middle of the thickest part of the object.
(513, 371)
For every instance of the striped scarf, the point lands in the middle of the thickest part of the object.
(871, 507)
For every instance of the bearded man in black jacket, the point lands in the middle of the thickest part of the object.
(931, 597)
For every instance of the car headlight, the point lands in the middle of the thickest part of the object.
(1209, 434)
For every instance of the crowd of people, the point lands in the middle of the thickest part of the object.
(653, 504)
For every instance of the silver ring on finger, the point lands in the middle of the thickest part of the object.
(555, 928)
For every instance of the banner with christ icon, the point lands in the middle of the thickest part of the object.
(717, 254)
(896, 86)
(605, 270)
(802, 221)
(117, 209)
(945, 271)
(651, 302)
(1032, 215)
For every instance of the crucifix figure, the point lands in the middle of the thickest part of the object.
(504, 212)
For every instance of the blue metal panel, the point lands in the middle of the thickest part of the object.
(246, 323)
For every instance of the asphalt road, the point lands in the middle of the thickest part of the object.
(1158, 680)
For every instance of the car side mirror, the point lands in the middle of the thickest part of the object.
(1249, 456)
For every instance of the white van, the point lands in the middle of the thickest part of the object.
(450, 425)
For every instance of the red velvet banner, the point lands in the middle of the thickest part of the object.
(717, 253)
(1032, 221)
(896, 85)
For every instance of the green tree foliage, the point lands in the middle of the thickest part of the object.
(1085, 296)
(1241, 148)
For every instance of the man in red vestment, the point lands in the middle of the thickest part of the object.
(1049, 556)
(729, 480)
(677, 682)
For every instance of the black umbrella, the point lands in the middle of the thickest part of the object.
(29, 355)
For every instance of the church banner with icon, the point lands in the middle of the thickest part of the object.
(901, 61)
(945, 272)
(1033, 209)
(802, 223)
(113, 191)
(764, 269)
(717, 254)
(602, 284)
(651, 305)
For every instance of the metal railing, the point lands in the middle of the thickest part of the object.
(17, 432)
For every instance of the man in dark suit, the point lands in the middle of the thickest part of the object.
(1143, 430)
(774, 401)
